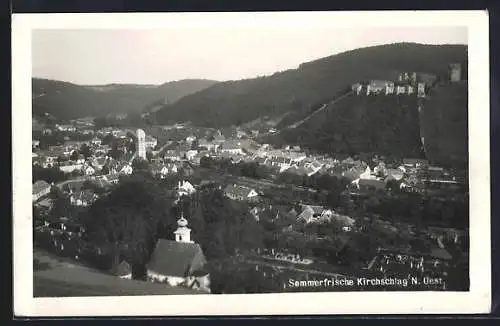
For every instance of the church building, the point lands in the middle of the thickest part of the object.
(179, 262)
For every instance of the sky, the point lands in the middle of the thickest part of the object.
(156, 56)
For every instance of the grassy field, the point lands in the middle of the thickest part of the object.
(58, 277)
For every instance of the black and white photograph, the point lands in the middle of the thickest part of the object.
(186, 157)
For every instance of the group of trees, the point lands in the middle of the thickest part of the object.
(221, 225)
(52, 174)
(230, 276)
(127, 219)
(130, 219)
(133, 119)
(232, 102)
(415, 208)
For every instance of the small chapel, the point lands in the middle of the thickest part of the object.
(179, 262)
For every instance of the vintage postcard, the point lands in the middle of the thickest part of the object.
(251, 163)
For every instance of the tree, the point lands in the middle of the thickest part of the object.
(149, 155)
(85, 151)
(61, 206)
(105, 169)
(206, 162)
(100, 123)
(114, 152)
(74, 155)
(127, 219)
(55, 193)
(108, 139)
(140, 165)
(50, 175)
(131, 146)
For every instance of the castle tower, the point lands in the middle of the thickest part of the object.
(141, 144)
(455, 72)
(183, 233)
(421, 90)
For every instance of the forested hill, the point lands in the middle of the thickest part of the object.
(392, 125)
(66, 100)
(383, 124)
(311, 84)
(444, 124)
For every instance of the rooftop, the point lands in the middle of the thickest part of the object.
(176, 258)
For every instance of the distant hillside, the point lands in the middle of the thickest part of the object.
(310, 85)
(383, 124)
(66, 100)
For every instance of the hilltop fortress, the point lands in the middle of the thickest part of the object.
(407, 83)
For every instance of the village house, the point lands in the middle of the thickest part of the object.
(112, 178)
(413, 186)
(185, 188)
(237, 192)
(197, 158)
(40, 189)
(296, 156)
(367, 174)
(36, 159)
(395, 174)
(150, 142)
(87, 169)
(352, 174)
(312, 214)
(96, 141)
(172, 155)
(180, 262)
(163, 170)
(415, 163)
(371, 184)
(191, 154)
(85, 131)
(190, 139)
(208, 145)
(219, 138)
(70, 128)
(69, 167)
(118, 133)
(80, 159)
(232, 146)
(99, 162)
(125, 168)
(241, 134)
(281, 162)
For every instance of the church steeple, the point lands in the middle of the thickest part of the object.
(183, 233)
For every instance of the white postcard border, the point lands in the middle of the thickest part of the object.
(477, 300)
